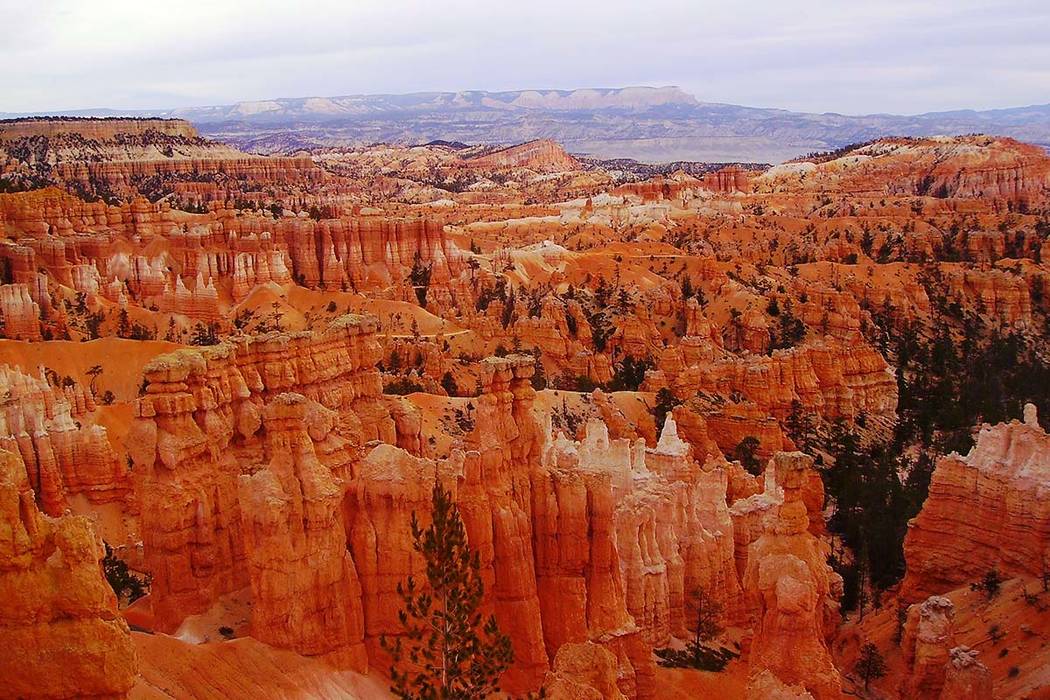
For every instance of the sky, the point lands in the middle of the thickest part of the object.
(848, 56)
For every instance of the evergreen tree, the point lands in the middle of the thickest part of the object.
(745, 453)
(708, 617)
(448, 383)
(447, 652)
(539, 375)
(205, 334)
(419, 277)
(697, 653)
(125, 584)
(94, 373)
(629, 374)
(665, 403)
(799, 426)
(870, 664)
(601, 330)
(123, 324)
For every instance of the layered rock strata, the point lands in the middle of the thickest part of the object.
(59, 627)
(985, 510)
(199, 427)
(791, 585)
(927, 639)
(63, 455)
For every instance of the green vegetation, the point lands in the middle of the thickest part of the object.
(447, 651)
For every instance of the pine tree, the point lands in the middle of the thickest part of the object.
(94, 373)
(708, 618)
(447, 652)
(448, 383)
(870, 664)
(665, 403)
(745, 453)
(419, 277)
(124, 324)
(698, 653)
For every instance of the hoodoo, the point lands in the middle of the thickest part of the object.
(698, 429)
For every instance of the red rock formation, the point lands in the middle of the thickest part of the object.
(789, 580)
(673, 536)
(679, 185)
(578, 567)
(190, 518)
(1000, 295)
(368, 251)
(542, 155)
(966, 678)
(963, 167)
(59, 627)
(508, 440)
(252, 269)
(21, 314)
(927, 638)
(98, 129)
(202, 302)
(62, 457)
(584, 671)
(198, 429)
(755, 510)
(305, 591)
(830, 378)
(267, 465)
(985, 510)
(115, 156)
(694, 429)
(767, 686)
(390, 486)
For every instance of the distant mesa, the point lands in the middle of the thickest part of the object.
(649, 124)
(541, 154)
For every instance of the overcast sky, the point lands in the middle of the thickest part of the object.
(851, 56)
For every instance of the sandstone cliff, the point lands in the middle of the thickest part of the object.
(543, 155)
(126, 157)
(59, 628)
(63, 454)
(985, 510)
(192, 516)
(927, 639)
(790, 582)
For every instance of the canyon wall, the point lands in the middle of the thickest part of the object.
(200, 428)
(63, 453)
(985, 510)
(59, 628)
(788, 580)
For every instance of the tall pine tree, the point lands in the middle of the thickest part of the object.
(447, 652)
(870, 664)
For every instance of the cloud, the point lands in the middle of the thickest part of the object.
(895, 55)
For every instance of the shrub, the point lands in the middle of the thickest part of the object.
(124, 583)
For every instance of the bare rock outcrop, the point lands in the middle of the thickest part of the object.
(583, 671)
(200, 426)
(305, 591)
(966, 677)
(985, 510)
(542, 155)
(63, 454)
(673, 536)
(928, 637)
(59, 627)
(831, 378)
(20, 313)
(125, 156)
(789, 582)
(767, 686)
